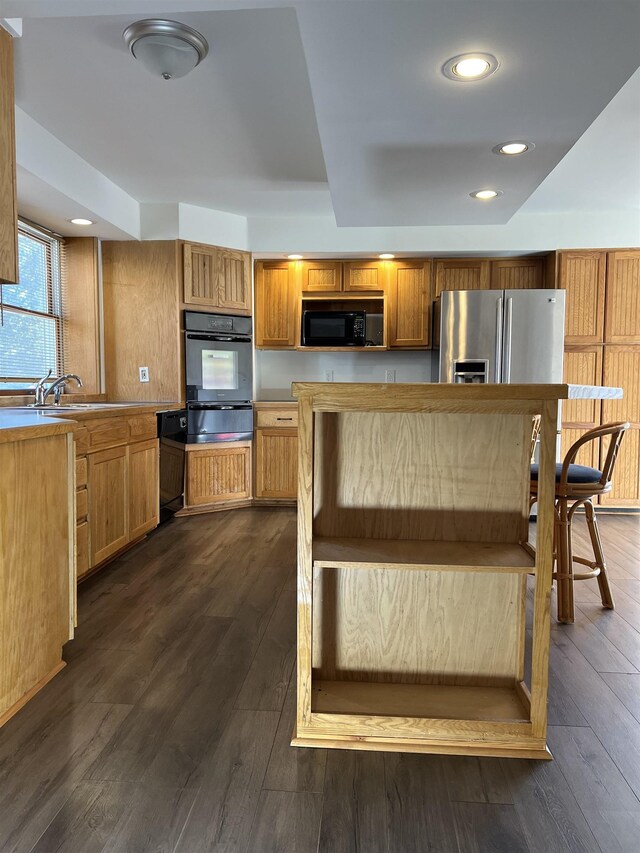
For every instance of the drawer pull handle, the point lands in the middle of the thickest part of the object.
(284, 419)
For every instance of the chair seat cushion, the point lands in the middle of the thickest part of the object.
(575, 474)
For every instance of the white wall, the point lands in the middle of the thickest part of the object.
(275, 371)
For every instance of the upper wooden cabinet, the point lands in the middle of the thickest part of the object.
(409, 304)
(320, 276)
(462, 274)
(517, 273)
(277, 299)
(217, 278)
(582, 275)
(622, 319)
(8, 209)
(359, 276)
(342, 276)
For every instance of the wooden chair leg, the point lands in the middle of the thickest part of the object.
(566, 610)
(603, 578)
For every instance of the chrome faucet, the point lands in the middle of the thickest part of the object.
(39, 390)
(57, 387)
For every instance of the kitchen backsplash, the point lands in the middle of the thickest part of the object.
(275, 371)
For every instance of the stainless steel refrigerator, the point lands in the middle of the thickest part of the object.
(499, 336)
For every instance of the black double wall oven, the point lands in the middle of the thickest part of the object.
(219, 377)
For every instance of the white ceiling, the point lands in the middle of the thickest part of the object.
(289, 86)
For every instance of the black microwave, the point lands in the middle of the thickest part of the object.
(334, 328)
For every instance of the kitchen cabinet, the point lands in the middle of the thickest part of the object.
(218, 278)
(37, 577)
(276, 452)
(462, 274)
(625, 492)
(276, 463)
(622, 323)
(277, 305)
(144, 498)
(582, 275)
(582, 366)
(8, 208)
(363, 276)
(320, 276)
(218, 473)
(409, 304)
(108, 502)
(517, 273)
(116, 485)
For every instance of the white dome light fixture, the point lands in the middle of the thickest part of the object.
(167, 49)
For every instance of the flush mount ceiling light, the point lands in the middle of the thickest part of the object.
(485, 195)
(295, 257)
(470, 66)
(167, 49)
(512, 148)
(80, 221)
(386, 256)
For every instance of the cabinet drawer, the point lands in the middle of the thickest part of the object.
(81, 472)
(277, 417)
(109, 432)
(82, 549)
(81, 504)
(142, 427)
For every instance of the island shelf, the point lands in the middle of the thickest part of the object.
(413, 566)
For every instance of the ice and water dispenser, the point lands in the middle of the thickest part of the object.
(467, 371)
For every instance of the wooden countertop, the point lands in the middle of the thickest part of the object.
(20, 424)
(417, 391)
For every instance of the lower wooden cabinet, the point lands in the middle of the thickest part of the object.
(276, 463)
(217, 473)
(144, 497)
(108, 502)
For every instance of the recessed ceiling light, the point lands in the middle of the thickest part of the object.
(470, 66)
(295, 257)
(485, 195)
(386, 256)
(512, 148)
(80, 221)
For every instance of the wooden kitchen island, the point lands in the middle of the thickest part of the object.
(413, 563)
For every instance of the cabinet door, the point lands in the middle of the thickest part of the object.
(82, 549)
(234, 280)
(622, 370)
(460, 274)
(582, 366)
(143, 487)
(108, 503)
(217, 474)
(276, 463)
(623, 298)
(360, 276)
(200, 275)
(321, 276)
(8, 209)
(409, 304)
(582, 276)
(517, 273)
(625, 490)
(276, 305)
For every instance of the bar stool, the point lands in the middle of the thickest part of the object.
(576, 485)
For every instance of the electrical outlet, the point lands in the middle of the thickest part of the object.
(389, 376)
(328, 376)
(144, 374)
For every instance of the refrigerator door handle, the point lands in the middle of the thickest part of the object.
(508, 326)
(498, 364)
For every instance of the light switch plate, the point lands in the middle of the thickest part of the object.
(144, 374)
(389, 376)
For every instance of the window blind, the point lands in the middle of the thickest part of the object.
(31, 334)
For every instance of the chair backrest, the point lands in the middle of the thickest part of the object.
(535, 435)
(616, 431)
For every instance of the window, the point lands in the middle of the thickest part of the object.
(31, 330)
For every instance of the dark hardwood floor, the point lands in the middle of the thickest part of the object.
(168, 732)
